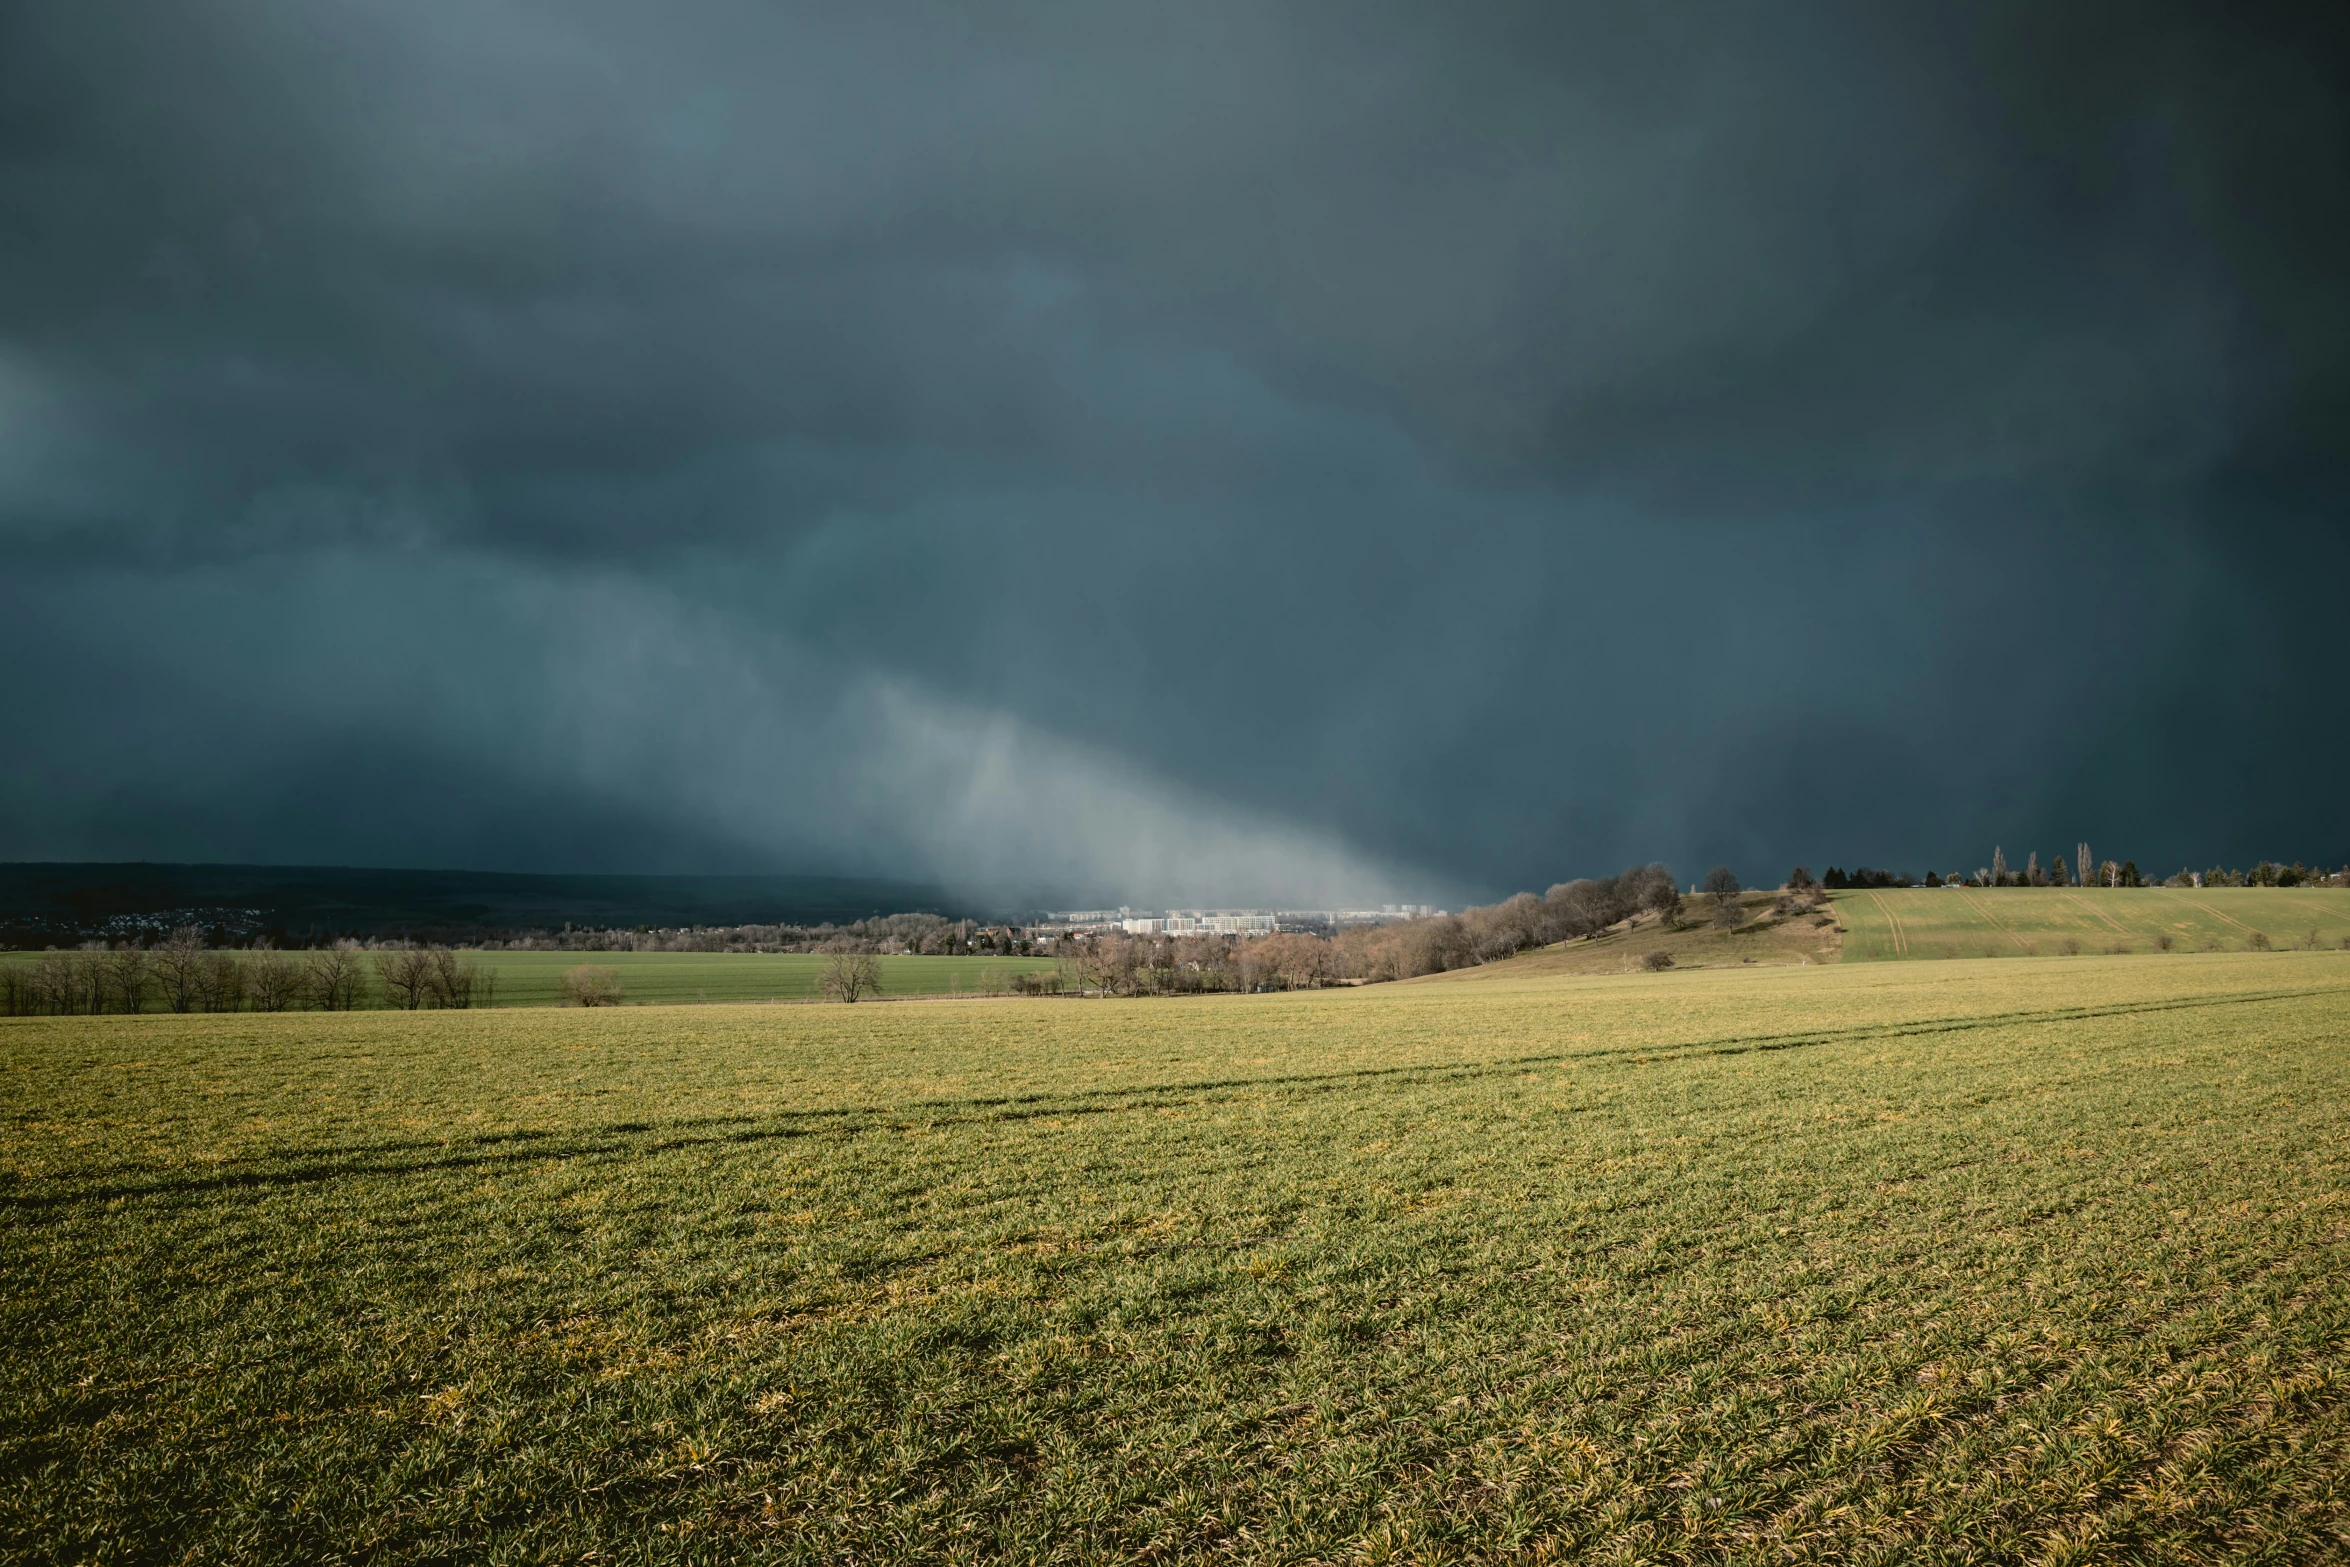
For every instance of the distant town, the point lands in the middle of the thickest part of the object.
(1222, 922)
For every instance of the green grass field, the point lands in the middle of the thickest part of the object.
(1962, 1262)
(534, 979)
(1993, 922)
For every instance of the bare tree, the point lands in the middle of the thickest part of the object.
(71, 981)
(850, 976)
(593, 985)
(179, 968)
(223, 979)
(42, 983)
(1104, 962)
(335, 975)
(406, 973)
(20, 993)
(453, 981)
(1722, 886)
(1998, 866)
(58, 974)
(1031, 983)
(1307, 962)
(1509, 927)
(1260, 966)
(90, 977)
(1586, 906)
(2033, 875)
(2082, 864)
(1657, 891)
(127, 978)
(274, 981)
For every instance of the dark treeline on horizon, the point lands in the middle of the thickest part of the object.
(2061, 873)
(44, 904)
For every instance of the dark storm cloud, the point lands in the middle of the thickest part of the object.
(1205, 450)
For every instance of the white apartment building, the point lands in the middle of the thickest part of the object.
(1224, 922)
(1203, 922)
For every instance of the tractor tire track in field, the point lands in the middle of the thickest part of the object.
(1900, 938)
(2320, 912)
(1991, 919)
(2205, 908)
(2098, 913)
(315, 1166)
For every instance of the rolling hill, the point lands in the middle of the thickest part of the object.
(1977, 922)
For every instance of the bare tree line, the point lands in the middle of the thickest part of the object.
(1110, 963)
(885, 934)
(182, 974)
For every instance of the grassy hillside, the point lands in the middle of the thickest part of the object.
(1945, 922)
(1975, 1262)
(1762, 938)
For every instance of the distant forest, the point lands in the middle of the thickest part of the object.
(65, 904)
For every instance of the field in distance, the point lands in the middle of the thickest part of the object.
(1992, 922)
(535, 979)
(1964, 1262)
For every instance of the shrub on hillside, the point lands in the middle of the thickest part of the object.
(1657, 961)
(1588, 906)
(851, 976)
(591, 985)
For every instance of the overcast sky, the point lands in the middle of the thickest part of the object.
(1195, 453)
